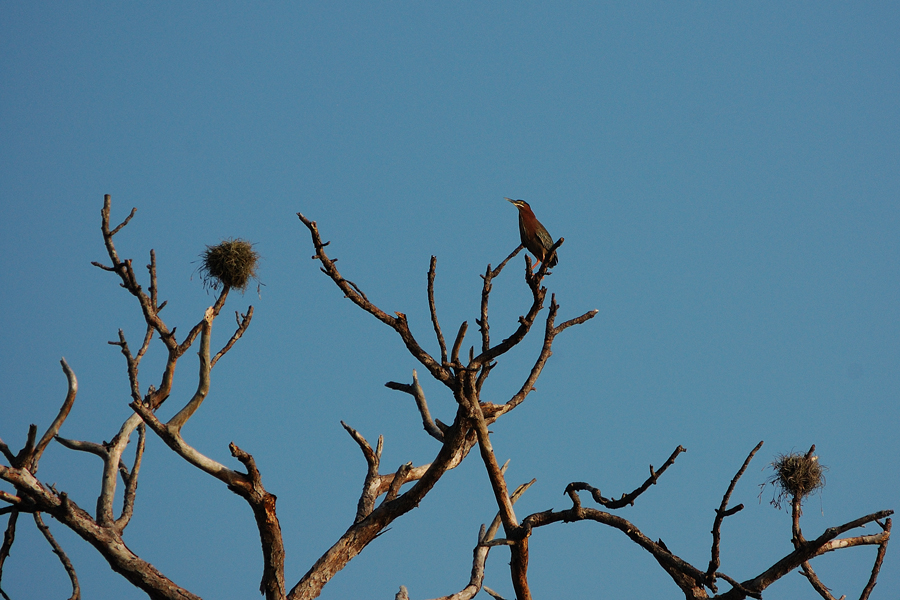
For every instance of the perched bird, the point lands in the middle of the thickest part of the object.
(534, 236)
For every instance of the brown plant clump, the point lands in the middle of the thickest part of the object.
(232, 263)
(797, 475)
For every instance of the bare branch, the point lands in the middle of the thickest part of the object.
(807, 550)
(243, 324)
(173, 439)
(457, 343)
(512, 255)
(108, 542)
(575, 321)
(492, 593)
(482, 548)
(10, 498)
(123, 223)
(721, 513)
(178, 421)
(737, 585)
(626, 499)
(132, 362)
(398, 323)
(879, 559)
(126, 273)
(58, 551)
(80, 446)
(210, 315)
(433, 310)
(807, 571)
(397, 481)
(9, 538)
(415, 390)
(519, 550)
(4, 449)
(686, 576)
(59, 420)
(24, 455)
(482, 323)
(263, 505)
(457, 442)
(370, 494)
(131, 482)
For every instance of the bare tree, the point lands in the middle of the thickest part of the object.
(382, 499)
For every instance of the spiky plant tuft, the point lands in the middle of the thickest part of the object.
(231, 263)
(796, 475)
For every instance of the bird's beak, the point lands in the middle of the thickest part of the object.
(510, 199)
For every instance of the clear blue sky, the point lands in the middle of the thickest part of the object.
(726, 176)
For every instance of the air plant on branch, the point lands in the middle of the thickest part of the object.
(231, 263)
(796, 475)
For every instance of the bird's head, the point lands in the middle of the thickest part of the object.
(520, 204)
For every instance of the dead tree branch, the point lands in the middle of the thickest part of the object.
(433, 310)
(416, 391)
(57, 549)
(629, 498)
(397, 323)
(721, 513)
(826, 542)
(879, 559)
(9, 538)
(464, 376)
(53, 429)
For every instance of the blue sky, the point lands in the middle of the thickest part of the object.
(726, 178)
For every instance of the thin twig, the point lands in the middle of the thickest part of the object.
(131, 482)
(58, 551)
(369, 494)
(9, 538)
(629, 498)
(433, 310)
(815, 582)
(243, 324)
(879, 558)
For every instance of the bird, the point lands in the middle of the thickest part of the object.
(534, 235)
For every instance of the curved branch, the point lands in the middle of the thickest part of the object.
(371, 483)
(807, 550)
(107, 541)
(721, 513)
(9, 538)
(879, 558)
(173, 440)
(686, 576)
(58, 551)
(629, 498)
(59, 420)
(131, 481)
(433, 310)
(178, 421)
(243, 324)
(415, 390)
(398, 323)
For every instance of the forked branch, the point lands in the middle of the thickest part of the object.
(722, 512)
(625, 499)
(397, 323)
